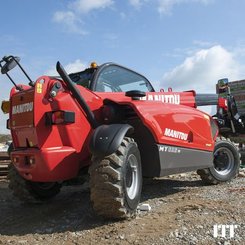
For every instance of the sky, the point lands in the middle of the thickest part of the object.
(183, 44)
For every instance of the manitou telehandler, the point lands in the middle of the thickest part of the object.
(109, 121)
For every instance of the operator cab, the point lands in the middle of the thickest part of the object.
(111, 77)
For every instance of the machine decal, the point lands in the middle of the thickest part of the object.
(39, 88)
(165, 98)
(175, 134)
(184, 160)
(169, 149)
(17, 109)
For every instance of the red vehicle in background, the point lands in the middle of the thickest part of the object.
(109, 121)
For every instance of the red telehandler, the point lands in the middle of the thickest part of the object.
(109, 121)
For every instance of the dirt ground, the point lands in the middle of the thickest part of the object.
(184, 211)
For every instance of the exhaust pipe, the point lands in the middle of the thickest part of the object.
(76, 93)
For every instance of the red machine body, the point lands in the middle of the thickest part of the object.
(109, 122)
(46, 152)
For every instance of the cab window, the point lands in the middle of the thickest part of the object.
(83, 78)
(114, 78)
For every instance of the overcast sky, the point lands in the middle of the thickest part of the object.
(183, 44)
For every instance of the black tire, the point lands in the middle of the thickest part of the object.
(10, 148)
(226, 163)
(116, 182)
(31, 192)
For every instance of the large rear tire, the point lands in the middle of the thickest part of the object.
(226, 163)
(116, 182)
(27, 191)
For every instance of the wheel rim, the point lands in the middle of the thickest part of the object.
(132, 178)
(223, 161)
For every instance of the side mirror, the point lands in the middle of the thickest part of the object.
(222, 86)
(10, 63)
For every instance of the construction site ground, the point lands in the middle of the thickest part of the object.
(183, 211)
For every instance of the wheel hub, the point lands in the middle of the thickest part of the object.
(223, 161)
(132, 178)
(129, 176)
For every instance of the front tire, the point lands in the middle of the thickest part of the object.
(226, 163)
(116, 182)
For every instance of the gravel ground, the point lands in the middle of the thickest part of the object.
(183, 211)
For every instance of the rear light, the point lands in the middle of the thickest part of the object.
(15, 160)
(30, 160)
(27, 160)
(60, 117)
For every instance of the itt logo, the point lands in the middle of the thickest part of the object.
(224, 231)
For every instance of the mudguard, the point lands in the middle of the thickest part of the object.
(107, 138)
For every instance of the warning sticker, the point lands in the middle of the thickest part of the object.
(39, 88)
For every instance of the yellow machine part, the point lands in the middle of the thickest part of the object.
(5, 106)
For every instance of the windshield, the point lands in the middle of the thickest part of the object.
(83, 78)
(114, 78)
